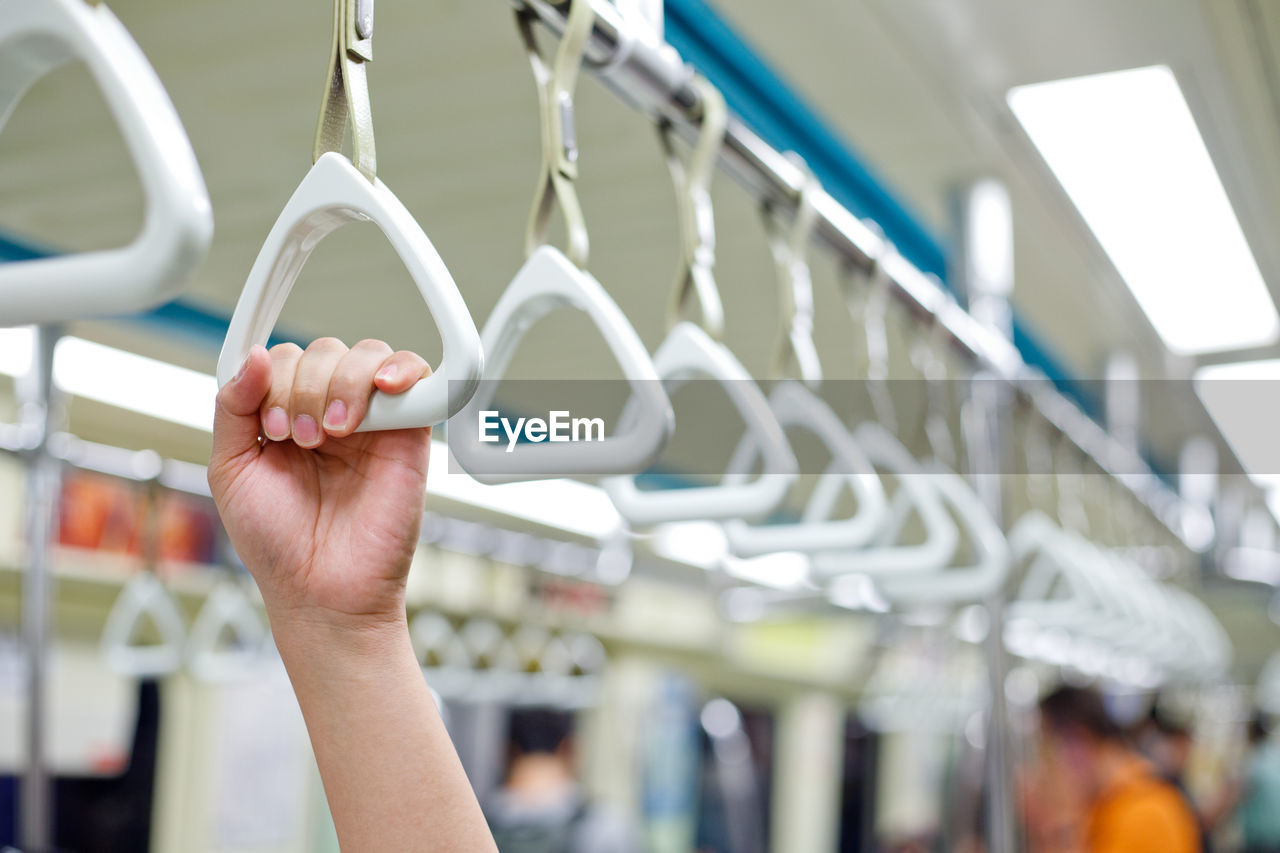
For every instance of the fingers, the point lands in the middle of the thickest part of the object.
(236, 416)
(310, 393)
(350, 385)
(276, 423)
(400, 371)
(324, 391)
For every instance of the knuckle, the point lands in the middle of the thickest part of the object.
(348, 377)
(288, 349)
(309, 390)
(327, 345)
(373, 345)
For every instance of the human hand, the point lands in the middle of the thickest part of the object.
(325, 519)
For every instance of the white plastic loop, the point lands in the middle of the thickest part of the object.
(35, 39)
(144, 597)
(1056, 590)
(226, 610)
(690, 353)
(916, 492)
(794, 405)
(332, 194)
(957, 584)
(546, 282)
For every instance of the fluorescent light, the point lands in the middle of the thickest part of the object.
(135, 382)
(118, 378)
(1244, 401)
(563, 504)
(1126, 149)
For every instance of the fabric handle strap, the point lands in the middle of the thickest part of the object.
(556, 84)
(695, 280)
(346, 93)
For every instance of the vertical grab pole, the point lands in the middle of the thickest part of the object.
(41, 416)
(984, 221)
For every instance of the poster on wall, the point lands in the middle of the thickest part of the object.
(105, 514)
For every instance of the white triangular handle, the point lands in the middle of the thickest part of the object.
(226, 608)
(36, 38)
(142, 597)
(957, 584)
(332, 194)
(797, 406)
(915, 493)
(689, 353)
(549, 281)
(1036, 538)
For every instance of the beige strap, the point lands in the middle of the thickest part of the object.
(556, 84)
(795, 354)
(346, 92)
(928, 355)
(695, 279)
(873, 303)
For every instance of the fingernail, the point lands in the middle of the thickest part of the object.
(305, 430)
(276, 424)
(335, 417)
(387, 373)
(244, 365)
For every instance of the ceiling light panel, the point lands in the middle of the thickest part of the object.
(1126, 149)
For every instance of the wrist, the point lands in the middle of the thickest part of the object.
(325, 639)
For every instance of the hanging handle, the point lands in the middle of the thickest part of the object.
(337, 191)
(226, 609)
(695, 278)
(795, 354)
(692, 351)
(346, 93)
(915, 493)
(868, 303)
(689, 353)
(927, 355)
(332, 194)
(556, 83)
(549, 281)
(144, 597)
(957, 584)
(35, 39)
(794, 405)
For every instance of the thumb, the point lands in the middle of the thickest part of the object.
(236, 421)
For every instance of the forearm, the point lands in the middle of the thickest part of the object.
(390, 773)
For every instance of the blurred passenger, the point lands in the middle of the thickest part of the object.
(1130, 807)
(1260, 799)
(540, 807)
(1168, 742)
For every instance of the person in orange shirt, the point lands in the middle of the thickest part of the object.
(1129, 808)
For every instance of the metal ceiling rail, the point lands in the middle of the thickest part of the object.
(650, 75)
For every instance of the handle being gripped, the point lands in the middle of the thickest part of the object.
(332, 194)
